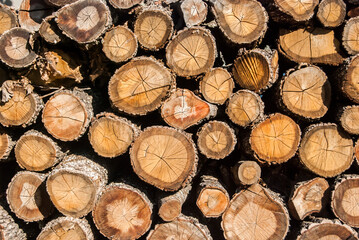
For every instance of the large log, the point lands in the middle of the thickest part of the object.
(9, 230)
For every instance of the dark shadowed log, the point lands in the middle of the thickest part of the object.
(32, 12)
(246, 172)
(50, 31)
(8, 18)
(9, 230)
(194, 12)
(331, 13)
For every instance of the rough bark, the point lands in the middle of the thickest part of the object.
(6, 145)
(9, 230)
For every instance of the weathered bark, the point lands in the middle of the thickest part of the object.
(9, 230)
(32, 12)
(246, 172)
(50, 31)
(6, 145)
(350, 33)
(8, 18)
(331, 13)
(194, 12)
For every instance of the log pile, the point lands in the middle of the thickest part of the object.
(179, 119)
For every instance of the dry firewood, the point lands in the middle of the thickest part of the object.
(9, 230)
(194, 12)
(153, 27)
(67, 114)
(349, 119)
(27, 196)
(124, 4)
(241, 22)
(331, 13)
(350, 33)
(216, 140)
(74, 185)
(138, 87)
(182, 228)
(110, 135)
(275, 139)
(170, 207)
(184, 109)
(245, 107)
(49, 30)
(217, 85)
(213, 198)
(246, 172)
(66, 228)
(8, 18)
(84, 21)
(241, 221)
(32, 12)
(312, 45)
(122, 212)
(35, 151)
(307, 198)
(119, 44)
(164, 157)
(191, 52)
(20, 106)
(326, 150)
(348, 78)
(15, 50)
(305, 92)
(6, 145)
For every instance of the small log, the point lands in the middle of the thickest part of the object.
(246, 172)
(153, 27)
(191, 52)
(182, 228)
(138, 87)
(74, 185)
(67, 114)
(350, 41)
(6, 145)
(241, 219)
(349, 119)
(326, 150)
(35, 151)
(49, 30)
(20, 106)
(164, 157)
(84, 21)
(292, 11)
(122, 212)
(9, 230)
(275, 139)
(170, 207)
(184, 109)
(349, 75)
(315, 45)
(213, 198)
(354, 12)
(216, 86)
(27, 196)
(194, 12)
(66, 228)
(305, 92)
(110, 135)
(15, 50)
(119, 44)
(216, 140)
(8, 18)
(242, 22)
(307, 198)
(356, 151)
(124, 4)
(331, 13)
(245, 108)
(32, 12)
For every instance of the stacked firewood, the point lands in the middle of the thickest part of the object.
(191, 119)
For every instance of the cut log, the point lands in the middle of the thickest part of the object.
(170, 207)
(6, 145)
(213, 198)
(345, 200)
(138, 87)
(356, 151)
(293, 10)
(326, 150)
(331, 13)
(9, 230)
(241, 22)
(110, 135)
(312, 45)
(124, 4)
(50, 31)
(153, 28)
(66, 228)
(183, 228)
(15, 50)
(349, 119)
(216, 86)
(184, 109)
(84, 21)
(8, 18)
(27, 196)
(32, 12)
(216, 140)
(194, 12)
(191, 52)
(59, 3)
(275, 139)
(35, 151)
(20, 106)
(350, 33)
(349, 75)
(67, 114)
(245, 108)
(246, 172)
(119, 44)
(305, 92)
(164, 157)
(74, 185)
(122, 212)
(241, 219)
(307, 198)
